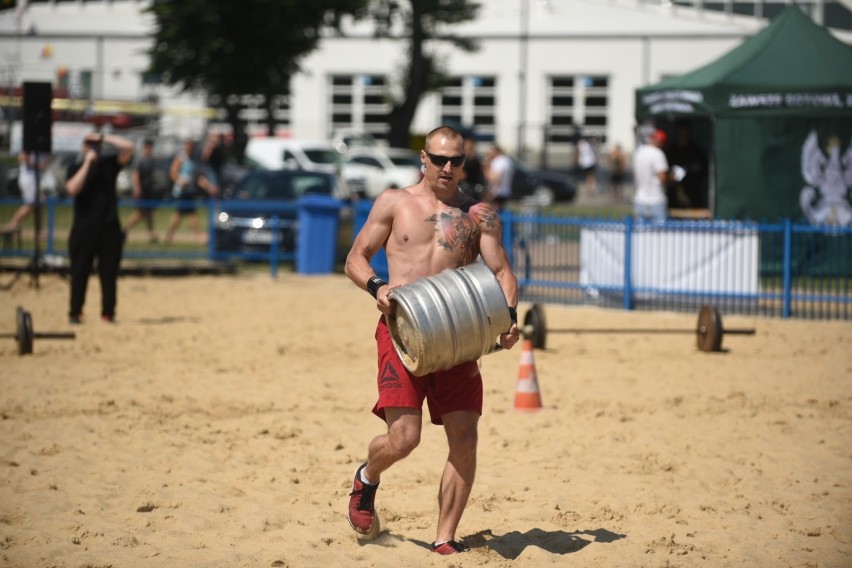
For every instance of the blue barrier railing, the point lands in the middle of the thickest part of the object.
(780, 269)
(302, 232)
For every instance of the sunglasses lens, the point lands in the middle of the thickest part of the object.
(441, 161)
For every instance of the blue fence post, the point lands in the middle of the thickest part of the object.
(212, 214)
(275, 229)
(51, 222)
(628, 263)
(508, 235)
(786, 309)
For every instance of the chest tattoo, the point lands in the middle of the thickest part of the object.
(458, 233)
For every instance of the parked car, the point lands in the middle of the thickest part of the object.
(288, 153)
(243, 222)
(347, 138)
(371, 170)
(546, 187)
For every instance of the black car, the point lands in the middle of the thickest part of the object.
(546, 186)
(245, 213)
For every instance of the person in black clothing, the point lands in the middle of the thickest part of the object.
(214, 156)
(143, 190)
(473, 176)
(95, 230)
(690, 192)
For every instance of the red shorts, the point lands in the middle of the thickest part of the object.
(459, 388)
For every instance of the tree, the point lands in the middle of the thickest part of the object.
(423, 23)
(230, 48)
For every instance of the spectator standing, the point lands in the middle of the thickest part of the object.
(188, 179)
(473, 176)
(587, 161)
(618, 166)
(27, 185)
(650, 172)
(143, 189)
(214, 156)
(95, 229)
(499, 172)
(684, 152)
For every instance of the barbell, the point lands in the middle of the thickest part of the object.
(25, 336)
(708, 332)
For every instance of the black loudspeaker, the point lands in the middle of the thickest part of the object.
(38, 117)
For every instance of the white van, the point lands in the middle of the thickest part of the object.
(289, 153)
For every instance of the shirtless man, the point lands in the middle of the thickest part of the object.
(426, 228)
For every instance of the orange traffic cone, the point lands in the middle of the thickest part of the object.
(527, 396)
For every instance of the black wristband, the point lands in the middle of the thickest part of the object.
(373, 285)
(513, 313)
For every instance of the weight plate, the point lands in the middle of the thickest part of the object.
(25, 333)
(535, 318)
(709, 332)
(19, 328)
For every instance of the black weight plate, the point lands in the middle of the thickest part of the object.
(25, 338)
(709, 332)
(24, 332)
(19, 328)
(535, 318)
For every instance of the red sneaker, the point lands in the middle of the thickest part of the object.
(451, 547)
(362, 513)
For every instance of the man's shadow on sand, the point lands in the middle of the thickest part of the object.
(512, 544)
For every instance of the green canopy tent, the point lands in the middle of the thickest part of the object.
(779, 114)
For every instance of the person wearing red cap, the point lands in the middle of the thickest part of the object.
(651, 172)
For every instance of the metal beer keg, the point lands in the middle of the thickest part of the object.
(448, 318)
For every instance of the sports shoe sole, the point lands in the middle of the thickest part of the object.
(375, 528)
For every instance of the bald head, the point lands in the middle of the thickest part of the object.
(444, 132)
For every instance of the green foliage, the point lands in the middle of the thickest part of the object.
(227, 48)
(424, 19)
(246, 47)
(424, 23)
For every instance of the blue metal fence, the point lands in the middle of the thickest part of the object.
(302, 232)
(774, 269)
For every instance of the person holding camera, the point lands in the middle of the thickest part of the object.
(95, 230)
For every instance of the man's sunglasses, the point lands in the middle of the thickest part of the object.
(441, 161)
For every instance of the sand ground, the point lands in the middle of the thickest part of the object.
(219, 422)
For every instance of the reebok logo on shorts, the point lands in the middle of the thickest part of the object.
(390, 378)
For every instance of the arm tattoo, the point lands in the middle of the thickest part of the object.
(485, 216)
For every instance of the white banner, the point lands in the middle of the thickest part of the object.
(672, 260)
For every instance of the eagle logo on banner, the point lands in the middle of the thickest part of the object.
(825, 200)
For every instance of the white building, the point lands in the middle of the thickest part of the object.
(545, 70)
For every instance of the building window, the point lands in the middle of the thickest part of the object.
(470, 101)
(359, 102)
(577, 105)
